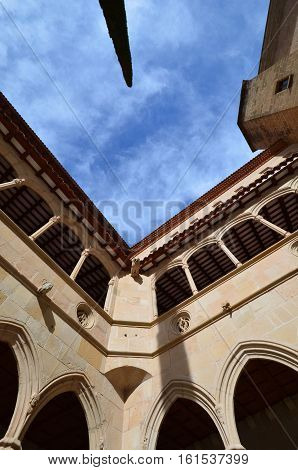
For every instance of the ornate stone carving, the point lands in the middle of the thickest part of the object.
(45, 287)
(226, 308)
(32, 403)
(219, 412)
(183, 324)
(101, 445)
(86, 252)
(294, 248)
(85, 316)
(55, 219)
(18, 181)
(135, 267)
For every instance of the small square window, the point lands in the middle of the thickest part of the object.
(283, 84)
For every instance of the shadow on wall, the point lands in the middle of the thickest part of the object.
(185, 425)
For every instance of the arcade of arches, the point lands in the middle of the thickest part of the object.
(266, 413)
(265, 405)
(106, 346)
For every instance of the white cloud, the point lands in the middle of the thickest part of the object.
(189, 60)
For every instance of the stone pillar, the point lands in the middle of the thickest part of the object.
(80, 263)
(12, 184)
(54, 220)
(190, 279)
(154, 301)
(229, 253)
(270, 225)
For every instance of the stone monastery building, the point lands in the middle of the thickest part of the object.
(187, 340)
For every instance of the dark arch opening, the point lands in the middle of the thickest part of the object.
(266, 406)
(94, 279)
(171, 289)
(209, 264)
(9, 384)
(249, 238)
(283, 212)
(62, 245)
(60, 425)
(187, 426)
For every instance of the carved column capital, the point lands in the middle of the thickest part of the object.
(86, 252)
(135, 267)
(55, 219)
(32, 403)
(18, 181)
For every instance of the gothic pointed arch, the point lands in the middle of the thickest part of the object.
(83, 401)
(176, 390)
(59, 425)
(16, 336)
(8, 386)
(232, 368)
(266, 405)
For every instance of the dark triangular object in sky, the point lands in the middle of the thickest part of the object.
(115, 15)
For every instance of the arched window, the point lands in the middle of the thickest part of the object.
(266, 405)
(94, 279)
(283, 212)
(59, 425)
(62, 245)
(8, 386)
(171, 289)
(187, 426)
(249, 238)
(209, 264)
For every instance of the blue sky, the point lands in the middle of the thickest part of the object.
(142, 153)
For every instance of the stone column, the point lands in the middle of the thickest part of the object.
(229, 253)
(12, 184)
(190, 279)
(54, 220)
(270, 225)
(154, 301)
(80, 263)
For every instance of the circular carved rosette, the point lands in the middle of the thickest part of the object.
(181, 323)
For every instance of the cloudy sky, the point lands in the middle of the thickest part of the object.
(143, 153)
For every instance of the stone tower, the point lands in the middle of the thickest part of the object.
(269, 102)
